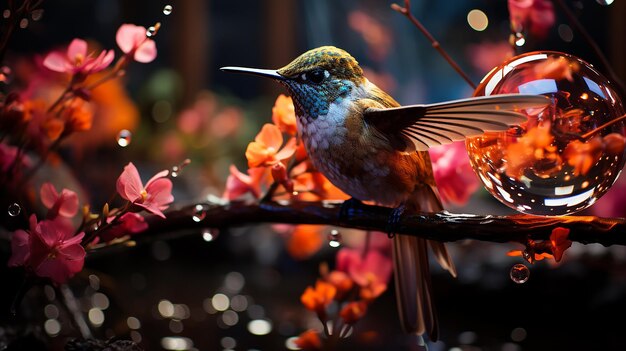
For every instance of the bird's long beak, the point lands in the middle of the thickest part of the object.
(269, 73)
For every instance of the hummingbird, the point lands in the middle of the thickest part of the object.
(375, 150)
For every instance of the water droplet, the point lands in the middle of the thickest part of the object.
(167, 10)
(175, 171)
(6, 13)
(605, 2)
(519, 39)
(209, 234)
(37, 14)
(151, 32)
(198, 213)
(124, 137)
(519, 273)
(14, 209)
(334, 238)
(24, 23)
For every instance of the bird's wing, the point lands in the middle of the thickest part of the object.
(419, 127)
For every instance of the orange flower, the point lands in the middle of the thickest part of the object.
(535, 256)
(583, 155)
(264, 150)
(342, 283)
(284, 115)
(557, 68)
(353, 311)
(373, 290)
(560, 242)
(52, 128)
(77, 116)
(614, 144)
(532, 147)
(305, 241)
(309, 340)
(318, 298)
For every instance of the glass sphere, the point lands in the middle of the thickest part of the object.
(564, 157)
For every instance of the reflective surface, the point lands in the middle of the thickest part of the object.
(560, 161)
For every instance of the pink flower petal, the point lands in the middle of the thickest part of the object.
(48, 194)
(129, 183)
(57, 62)
(74, 252)
(78, 47)
(146, 52)
(129, 36)
(69, 204)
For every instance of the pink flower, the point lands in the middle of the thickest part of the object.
(48, 249)
(454, 176)
(239, 183)
(64, 204)
(373, 268)
(76, 60)
(129, 223)
(154, 197)
(535, 15)
(133, 41)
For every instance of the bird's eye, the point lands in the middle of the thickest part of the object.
(317, 75)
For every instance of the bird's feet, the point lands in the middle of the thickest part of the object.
(394, 220)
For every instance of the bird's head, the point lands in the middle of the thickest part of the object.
(315, 79)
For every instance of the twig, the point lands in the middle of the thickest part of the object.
(73, 307)
(594, 46)
(443, 226)
(406, 11)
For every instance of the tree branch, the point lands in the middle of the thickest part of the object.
(442, 226)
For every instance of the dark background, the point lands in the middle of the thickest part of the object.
(576, 305)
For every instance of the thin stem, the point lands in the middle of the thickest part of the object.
(596, 130)
(594, 46)
(406, 11)
(42, 160)
(72, 305)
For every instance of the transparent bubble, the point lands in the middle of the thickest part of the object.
(124, 137)
(564, 157)
(167, 10)
(605, 2)
(519, 273)
(199, 213)
(334, 238)
(14, 209)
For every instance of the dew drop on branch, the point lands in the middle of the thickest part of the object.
(14, 209)
(124, 137)
(24, 23)
(167, 10)
(175, 171)
(199, 213)
(334, 238)
(6, 13)
(519, 273)
(209, 234)
(605, 2)
(151, 32)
